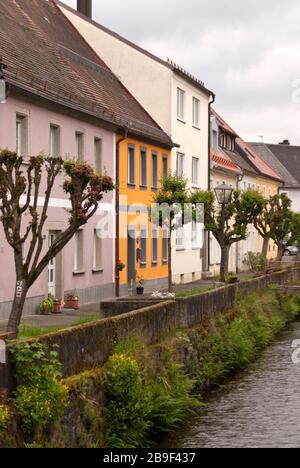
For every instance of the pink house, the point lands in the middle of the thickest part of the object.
(83, 266)
(63, 100)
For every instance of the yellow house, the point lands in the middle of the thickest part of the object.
(267, 187)
(268, 183)
(142, 248)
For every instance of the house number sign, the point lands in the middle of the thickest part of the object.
(19, 289)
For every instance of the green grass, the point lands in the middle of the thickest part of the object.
(193, 292)
(28, 331)
(86, 319)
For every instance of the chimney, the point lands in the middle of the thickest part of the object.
(85, 7)
(285, 142)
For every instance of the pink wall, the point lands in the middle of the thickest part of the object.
(38, 141)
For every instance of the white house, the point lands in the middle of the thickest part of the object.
(285, 159)
(180, 104)
(229, 166)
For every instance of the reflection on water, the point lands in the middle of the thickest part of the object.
(260, 407)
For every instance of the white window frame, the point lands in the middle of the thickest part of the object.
(195, 168)
(54, 140)
(196, 112)
(180, 157)
(154, 239)
(79, 138)
(21, 134)
(98, 154)
(181, 96)
(164, 237)
(179, 237)
(79, 257)
(97, 242)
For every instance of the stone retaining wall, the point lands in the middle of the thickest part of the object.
(87, 346)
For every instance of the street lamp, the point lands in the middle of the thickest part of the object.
(223, 194)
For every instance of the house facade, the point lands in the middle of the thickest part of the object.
(56, 104)
(179, 103)
(82, 267)
(238, 165)
(284, 158)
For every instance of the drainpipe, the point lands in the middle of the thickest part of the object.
(208, 182)
(117, 240)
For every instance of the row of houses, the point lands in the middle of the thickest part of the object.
(78, 90)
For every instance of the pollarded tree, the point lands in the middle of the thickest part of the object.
(294, 238)
(24, 222)
(274, 222)
(239, 213)
(169, 204)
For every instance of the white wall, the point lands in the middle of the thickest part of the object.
(193, 143)
(155, 86)
(294, 195)
(148, 80)
(217, 178)
(250, 244)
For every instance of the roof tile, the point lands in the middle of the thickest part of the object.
(47, 56)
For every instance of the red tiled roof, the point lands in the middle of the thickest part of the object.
(46, 56)
(258, 162)
(248, 152)
(223, 161)
(223, 124)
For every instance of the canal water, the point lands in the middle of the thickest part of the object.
(259, 407)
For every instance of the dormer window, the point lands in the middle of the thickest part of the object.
(223, 140)
(231, 142)
(227, 141)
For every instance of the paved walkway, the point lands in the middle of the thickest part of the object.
(70, 318)
(66, 319)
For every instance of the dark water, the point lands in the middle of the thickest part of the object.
(260, 407)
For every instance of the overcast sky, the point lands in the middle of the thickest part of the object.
(247, 52)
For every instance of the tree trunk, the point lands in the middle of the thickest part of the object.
(265, 247)
(170, 279)
(280, 253)
(224, 269)
(17, 307)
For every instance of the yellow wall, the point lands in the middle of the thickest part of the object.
(267, 187)
(137, 197)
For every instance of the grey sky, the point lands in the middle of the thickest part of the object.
(247, 52)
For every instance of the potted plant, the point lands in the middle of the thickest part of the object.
(231, 278)
(72, 302)
(57, 306)
(46, 307)
(120, 265)
(139, 287)
(256, 263)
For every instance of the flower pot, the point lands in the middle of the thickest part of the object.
(57, 308)
(140, 290)
(72, 304)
